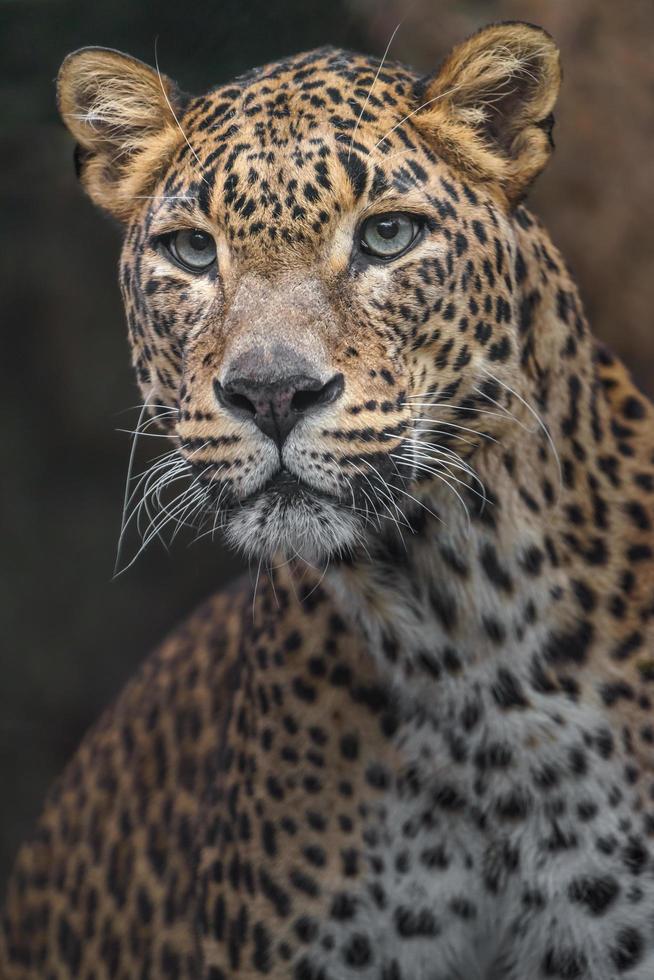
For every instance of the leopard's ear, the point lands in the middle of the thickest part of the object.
(122, 114)
(489, 107)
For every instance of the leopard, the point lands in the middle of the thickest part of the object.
(421, 743)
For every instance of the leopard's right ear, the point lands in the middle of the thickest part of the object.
(123, 115)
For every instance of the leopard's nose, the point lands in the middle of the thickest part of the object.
(276, 407)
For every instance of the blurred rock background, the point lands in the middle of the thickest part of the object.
(70, 635)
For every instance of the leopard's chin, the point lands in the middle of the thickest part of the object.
(289, 519)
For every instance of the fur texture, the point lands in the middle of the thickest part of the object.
(432, 755)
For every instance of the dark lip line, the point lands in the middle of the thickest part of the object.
(285, 482)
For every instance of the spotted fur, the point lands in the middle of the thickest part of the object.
(435, 759)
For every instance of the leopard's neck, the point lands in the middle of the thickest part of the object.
(528, 583)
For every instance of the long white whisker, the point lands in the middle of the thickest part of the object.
(172, 111)
(388, 496)
(374, 82)
(130, 465)
(420, 504)
(455, 425)
(386, 492)
(375, 512)
(505, 410)
(438, 474)
(424, 105)
(539, 420)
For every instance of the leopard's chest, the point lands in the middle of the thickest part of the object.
(518, 852)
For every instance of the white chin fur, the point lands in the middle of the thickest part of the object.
(312, 529)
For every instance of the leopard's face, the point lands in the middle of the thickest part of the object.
(298, 354)
(317, 301)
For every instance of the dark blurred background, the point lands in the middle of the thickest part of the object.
(70, 634)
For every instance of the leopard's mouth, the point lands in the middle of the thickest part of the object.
(288, 516)
(287, 486)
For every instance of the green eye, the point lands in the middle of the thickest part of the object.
(194, 249)
(389, 235)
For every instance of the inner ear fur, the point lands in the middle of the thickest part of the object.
(122, 114)
(489, 107)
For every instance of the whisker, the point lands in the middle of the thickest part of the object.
(150, 435)
(374, 82)
(130, 465)
(319, 582)
(169, 409)
(172, 111)
(424, 105)
(365, 494)
(164, 197)
(438, 473)
(539, 420)
(453, 458)
(420, 504)
(463, 428)
(462, 408)
(388, 496)
(256, 585)
(505, 410)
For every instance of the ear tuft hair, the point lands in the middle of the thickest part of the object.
(122, 114)
(489, 107)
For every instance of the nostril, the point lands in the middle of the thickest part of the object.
(304, 400)
(308, 398)
(233, 399)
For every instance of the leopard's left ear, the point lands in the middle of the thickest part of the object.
(490, 105)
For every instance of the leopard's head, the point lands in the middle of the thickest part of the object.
(316, 255)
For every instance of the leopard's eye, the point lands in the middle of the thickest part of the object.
(389, 235)
(194, 249)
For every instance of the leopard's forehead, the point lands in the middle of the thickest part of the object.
(280, 152)
(328, 85)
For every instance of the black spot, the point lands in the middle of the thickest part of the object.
(70, 948)
(356, 171)
(463, 908)
(595, 893)
(629, 645)
(571, 646)
(304, 883)
(495, 573)
(585, 595)
(628, 949)
(343, 907)
(633, 408)
(479, 231)
(532, 560)
(639, 552)
(350, 859)
(412, 923)
(447, 797)
(302, 690)
(315, 855)
(306, 929)
(349, 746)
(278, 898)
(613, 692)
(268, 838)
(357, 952)
(261, 957)
(567, 964)
(507, 690)
(514, 804)
(377, 776)
(635, 855)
